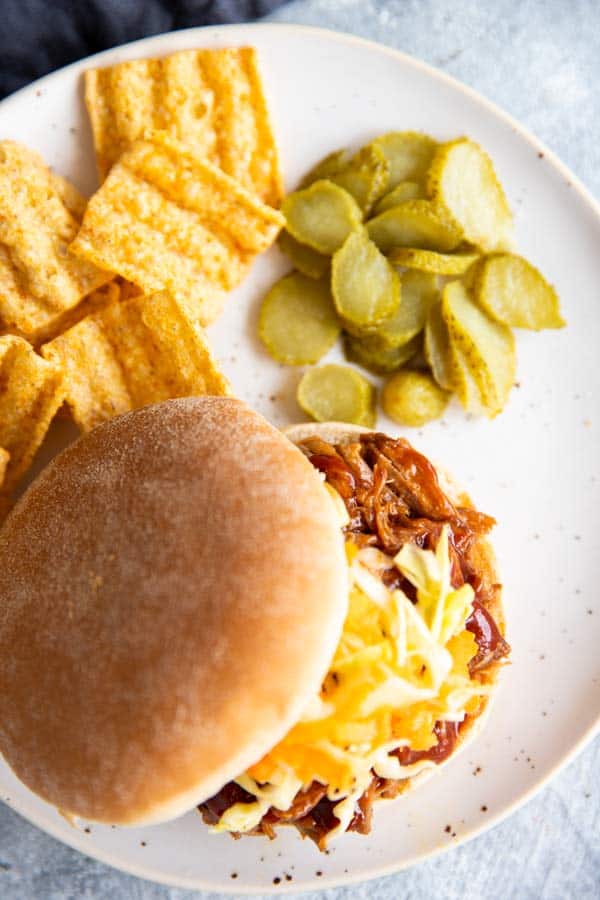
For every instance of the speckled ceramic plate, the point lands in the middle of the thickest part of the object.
(536, 467)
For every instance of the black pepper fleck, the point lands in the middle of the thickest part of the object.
(288, 877)
(448, 829)
(88, 830)
(484, 809)
(277, 881)
(318, 873)
(143, 844)
(540, 155)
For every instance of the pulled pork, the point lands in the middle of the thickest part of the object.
(393, 497)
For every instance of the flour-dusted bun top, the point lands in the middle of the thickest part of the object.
(172, 590)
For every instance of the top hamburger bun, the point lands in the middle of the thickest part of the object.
(173, 589)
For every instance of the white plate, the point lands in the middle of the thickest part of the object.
(535, 467)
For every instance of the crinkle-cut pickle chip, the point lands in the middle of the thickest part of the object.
(370, 353)
(31, 391)
(40, 214)
(305, 259)
(513, 292)
(413, 398)
(487, 346)
(330, 165)
(414, 223)
(297, 322)
(366, 289)
(322, 216)
(334, 393)
(409, 154)
(139, 351)
(406, 190)
(169, 221)
(463, 383)
(418, 290)
(436, 346)
(430, 261)
(462, 180)
(363, 174)
(212, 99)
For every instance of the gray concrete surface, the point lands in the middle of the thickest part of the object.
(541, 62)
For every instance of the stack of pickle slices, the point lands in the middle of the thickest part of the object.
(404, 248)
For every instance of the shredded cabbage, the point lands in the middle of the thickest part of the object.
(398, 669)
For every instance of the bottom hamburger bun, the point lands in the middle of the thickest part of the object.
(342, 433)
(173, 588)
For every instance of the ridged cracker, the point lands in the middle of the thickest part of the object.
(211, 99)
(31, 391)
(167, 220)
(40, 214)
(134, 352)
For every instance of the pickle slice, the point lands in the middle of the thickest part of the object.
(409, 154)
(418, 291)
(304, 258)
(430, 261)
(413, 398)
(513, 292)
(297, 321)
(364, 175)
(365, 287)
(375, 356)
(414, 223)
(436, 346)
(322, 216)
(487, 346)
(334, 393)
(462, 180)
(330, 165)
(406, 190)
(464, 385)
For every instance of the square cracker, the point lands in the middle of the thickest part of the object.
(211, 99)
(168, 221)
(134, 352)
(101, 297)
(31, 391)
(40, 214)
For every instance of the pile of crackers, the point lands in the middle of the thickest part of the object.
(103, 302)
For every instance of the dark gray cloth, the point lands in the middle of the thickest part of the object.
(37, 36)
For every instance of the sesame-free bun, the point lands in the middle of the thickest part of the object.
(173, 587)
(485, 563)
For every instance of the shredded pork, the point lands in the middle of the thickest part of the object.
(393, 497)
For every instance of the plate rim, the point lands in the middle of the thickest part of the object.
(146, 872)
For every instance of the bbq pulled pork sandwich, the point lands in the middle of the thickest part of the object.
(195, 611)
